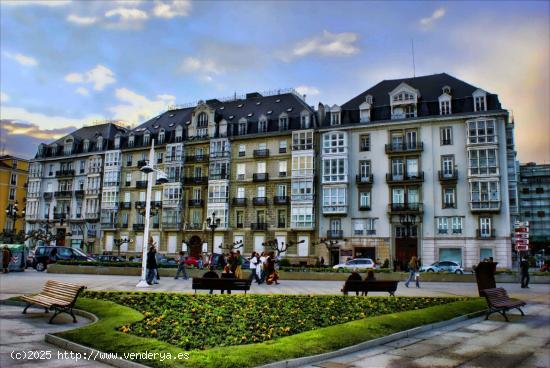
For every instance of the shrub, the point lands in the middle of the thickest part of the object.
(285, 262)
(110, 264)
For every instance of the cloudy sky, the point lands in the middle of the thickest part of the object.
(69, 63)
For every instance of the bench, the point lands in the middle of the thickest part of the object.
(220, 284)
(370, 286)
(57, 296)
(499, 301)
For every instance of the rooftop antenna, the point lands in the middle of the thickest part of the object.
(412, 49)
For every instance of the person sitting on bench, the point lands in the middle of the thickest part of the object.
(227, 274)
(211, 275)
(370, 276)
(354, 276)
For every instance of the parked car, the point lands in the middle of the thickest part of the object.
(109, 258)
(441, 266)
(364, 263)
(163, 260)
(192, 261)
(44, 255)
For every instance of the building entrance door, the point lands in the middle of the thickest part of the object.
(406, 247)
(195, 246)
(60, 238)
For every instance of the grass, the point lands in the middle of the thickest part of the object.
(105, 336)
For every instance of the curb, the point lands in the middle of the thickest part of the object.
(297, 362)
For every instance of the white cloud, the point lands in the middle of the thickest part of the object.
(203, 68)
(307, 90)
(171, 9)
(428, 21)
(327, 44)
(100, 76)
(137, 108)
(127, 14)
(83, 21)
(82, 91)
(4, 97)
(50, 3)
(22, 59)
(42, 120)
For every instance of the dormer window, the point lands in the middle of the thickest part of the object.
(283, 122)
(403, 101)
(40, 150)
(304, 120)
(146, 138)
(179, 133)
(335, 115)
(262, 125)
(202, 120)
(368, 99)
(161, 136)
(86, 145)
(242, 126)
(99, 143)
(445, 104)
(117, 141)
(68, 149)
(364, 110)
(447, 90)
(131, 140)
(480, 100)
(403, 96)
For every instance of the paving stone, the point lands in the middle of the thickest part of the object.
(429, 334)
(483, 327)
(332, 364)
(436, 362)
(403, 342)
(540, 359)
(362, 354)
(416, 350)
(500, 360)
(445, 340)
(383, 360)
(536, 342)
(462, 334)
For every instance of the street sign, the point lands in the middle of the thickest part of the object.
(521, 235)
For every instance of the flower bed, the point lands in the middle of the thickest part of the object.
(203, 321)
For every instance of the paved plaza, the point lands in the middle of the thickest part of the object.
(475, 343)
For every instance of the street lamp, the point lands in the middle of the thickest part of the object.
(213, 223)
(162, 178)
(11, 211)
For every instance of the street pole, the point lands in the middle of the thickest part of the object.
(143, 281)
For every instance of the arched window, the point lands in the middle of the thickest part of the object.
(179, 133)
(68, 149)
(161, 136)
(131, 140)
(99, 143)
(86, 145)
(117, 141)
(262, 125)
(202, 120)
(242, 127)
(146, 138)
(283, 122)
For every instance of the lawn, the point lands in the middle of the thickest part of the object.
(250, 330)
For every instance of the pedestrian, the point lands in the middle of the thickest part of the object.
(322, 261)
(211, 274)
(271, 272)
(262, 265)
(370, 276)
(181, 266)
(254, 260)
(232, 261)
(354, 276)
(151, 264)
(227, 274)
(239, 263)
(200, 262)
(6, 259)
(524, 267)
(413, 272)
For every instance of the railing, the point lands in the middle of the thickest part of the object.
(242, 154)
(302, 147)
(141, 163)
(221, 154)
(371, 231)
(79, 193)
(364, 207)
(195, 203)
(63, 193)
(196, 180)
(449, 205)
(63, 173)
(59, 216)
(301, 197)
(404, 147)
(261, 153)
(109, 225)
(92, 191)
(223, 176)
(239, 225)
(405, 178)
(138, 227)
(258, 226)
(139, 204)
(490, 235)
(48, 195)
(141, 184)
(485, 206)
(196, 158)
(124, 225)
(239, 201)
(335, 234)
(281, 200)
(111, 184)
(336, 208)
(448, 176)
(156, 204)
(364, 179)
(282, 149)
(259, 177)
(194, 226)
(127, 183)
(259, 201)
(125, 205)
(171, 225)
(405, 207)
(92, 216)
(282, 174)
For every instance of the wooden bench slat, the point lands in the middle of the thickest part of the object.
(499, 301)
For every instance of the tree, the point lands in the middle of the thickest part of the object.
(280, 248)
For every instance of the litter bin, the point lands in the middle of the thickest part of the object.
(485, 276)
(19, 253)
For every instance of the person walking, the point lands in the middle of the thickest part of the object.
(239, 264)
(271, 272)
(524, 268)
(181, 266)
(254, 260)
(6, 259)
(262, 265)
(151, 265)
(413, 272)
(200, 262)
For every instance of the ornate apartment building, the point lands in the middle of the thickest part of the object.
(416, 166)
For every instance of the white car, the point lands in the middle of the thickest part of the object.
(364, 263)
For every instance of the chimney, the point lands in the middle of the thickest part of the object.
(321, 113)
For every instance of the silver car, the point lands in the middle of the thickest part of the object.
(441, 266)
(364, 263)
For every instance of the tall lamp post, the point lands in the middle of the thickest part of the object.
(213, 223)
(12, 211)
(162, 178)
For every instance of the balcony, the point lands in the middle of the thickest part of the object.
(335, 234)
(156, 204)
(448, 176)
(222, 154)
(260, 177)
(92, 217)
(239, 225)
(370, 231)
(64, 173)
(223, 176)
(404, 147)
(138, 227)
(141, 163)
(218, 200)
(335, 209)
(405, 178)
(196, 180)
(302, 197)
(364, 179)
(127, 183)
(125, 205)
(195, 203)
(141, 184)
(363, 207)
(258, 226)
(302, 147)
(63, 194)
(109, 225)
(405, 207)
(485, 206)
(124, 225)
(59, 216)
(194, 226)
(485, 235)
(302, 225)
(139, 204)
(282, 174)
(261, 153)
(196, 158)
(170, 225)
(79, 193)
(239, 201)
(281, 200)
(449, 205)
(259, 201)
(48, 195)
